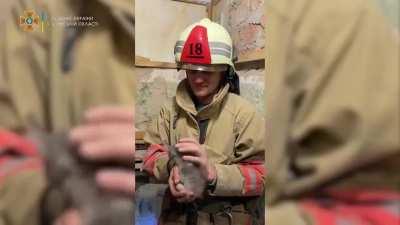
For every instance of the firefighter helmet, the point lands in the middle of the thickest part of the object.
(204, 46)
(207, 46)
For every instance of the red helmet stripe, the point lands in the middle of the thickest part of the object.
(196, 49)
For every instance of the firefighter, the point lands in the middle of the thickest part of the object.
(213, 127)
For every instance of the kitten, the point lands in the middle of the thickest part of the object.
(71, 184)
(190, 173)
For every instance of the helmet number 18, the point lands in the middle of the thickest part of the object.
(197, 50)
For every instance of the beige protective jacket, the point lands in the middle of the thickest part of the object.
(53, 77)
(332, 97)
(56, 75)
(235, 135)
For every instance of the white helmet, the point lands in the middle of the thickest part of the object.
(204, 45)
(207, 46)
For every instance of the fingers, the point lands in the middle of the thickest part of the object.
(176, 177)
(107, 134)
(108, 149)
(187, 196)
(105, 141)
(188, 140)
(180, 188)
(177, 189)
(189, 148)
(109, 113)
(195, 160)
(173, 188)
(193, 153)
(89, 132)
(116, 180)
(69, 217)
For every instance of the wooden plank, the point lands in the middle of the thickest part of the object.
(255, 55)
(197, 2)
(145, 62)
(139, 135)
(252, 64)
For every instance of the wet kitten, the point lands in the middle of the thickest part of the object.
(191, 175)
(71, 184)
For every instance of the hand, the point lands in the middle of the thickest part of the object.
(108, 134)
(192, 151)
(69, 217)
(177, 189)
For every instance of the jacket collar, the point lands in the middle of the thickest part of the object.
(185, 102)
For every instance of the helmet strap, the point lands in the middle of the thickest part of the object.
(233, 80)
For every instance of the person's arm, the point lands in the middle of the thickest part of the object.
(156, 159)
(245, 177)
(22, 180)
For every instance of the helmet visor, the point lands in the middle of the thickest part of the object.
(200, 67)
